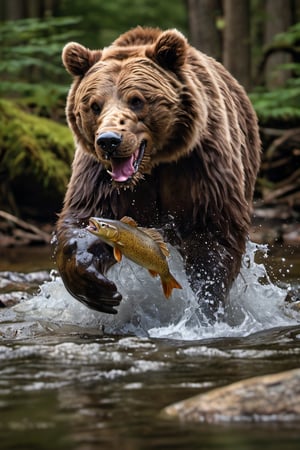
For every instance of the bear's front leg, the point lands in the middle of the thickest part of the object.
(211, 270)
(82, 261)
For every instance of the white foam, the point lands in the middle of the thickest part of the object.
(252, 306)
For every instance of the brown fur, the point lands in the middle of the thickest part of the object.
(199, 166)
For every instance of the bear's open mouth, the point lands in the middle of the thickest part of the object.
(124, 168)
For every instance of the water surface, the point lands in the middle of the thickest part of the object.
(72, 378)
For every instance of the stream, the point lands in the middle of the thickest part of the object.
(73, 378)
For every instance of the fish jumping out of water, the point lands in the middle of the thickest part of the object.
(144, 246)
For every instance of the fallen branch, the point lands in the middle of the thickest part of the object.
(46, 237)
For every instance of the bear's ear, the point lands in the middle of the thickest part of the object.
(78, 59)
(170, 50)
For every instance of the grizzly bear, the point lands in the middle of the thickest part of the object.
(165, 135)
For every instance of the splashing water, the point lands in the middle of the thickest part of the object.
(254, 304)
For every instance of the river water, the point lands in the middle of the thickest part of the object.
(72, 378)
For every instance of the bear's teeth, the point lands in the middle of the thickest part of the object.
(139, 154)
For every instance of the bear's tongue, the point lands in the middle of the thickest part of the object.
(122, 168)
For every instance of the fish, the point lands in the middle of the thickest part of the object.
(143, 246)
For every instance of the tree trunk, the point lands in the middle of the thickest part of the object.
(14, 9)
(20, 9)
(33, 8)
(204, 35)
(278, 19)
(237, 58)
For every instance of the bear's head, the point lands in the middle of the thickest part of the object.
(132, 105)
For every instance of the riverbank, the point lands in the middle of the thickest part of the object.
(275, 225)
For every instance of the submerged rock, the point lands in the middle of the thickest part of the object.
(265, 398)
(16, 287)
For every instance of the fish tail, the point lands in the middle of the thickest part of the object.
(169, 283)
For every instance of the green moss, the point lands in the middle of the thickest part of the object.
(35, 153)
(34, 146)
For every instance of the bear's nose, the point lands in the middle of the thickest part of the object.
(109, 141)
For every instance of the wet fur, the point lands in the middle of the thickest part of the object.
(201, 159)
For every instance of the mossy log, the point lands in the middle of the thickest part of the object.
(35, 160)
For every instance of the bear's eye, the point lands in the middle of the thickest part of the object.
(136, 103)
(96, 108)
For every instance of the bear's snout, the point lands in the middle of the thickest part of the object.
(109, 141)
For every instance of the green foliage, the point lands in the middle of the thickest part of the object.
(34, 152)
(283, 103)
(103, 21)
(30, 62)
(289, 38)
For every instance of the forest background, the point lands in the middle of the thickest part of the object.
(257, 40)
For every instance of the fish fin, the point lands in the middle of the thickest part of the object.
(169, 284)
(129, 221)
(157, 237)
(152, 273)
(117, 254)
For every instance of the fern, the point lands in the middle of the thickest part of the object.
(30, 60)
(289, 37)
(282, 104)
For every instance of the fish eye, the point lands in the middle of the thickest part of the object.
(103, 225)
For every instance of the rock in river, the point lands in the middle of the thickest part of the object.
(273, 397)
